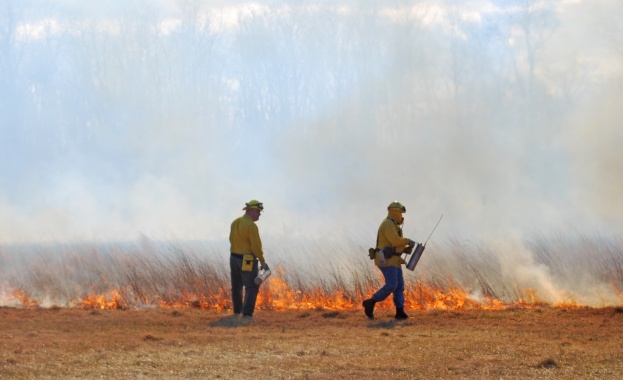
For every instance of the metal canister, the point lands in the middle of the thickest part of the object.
(417, 253)
(262, 276)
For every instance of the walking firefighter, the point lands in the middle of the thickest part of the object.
(390, 245)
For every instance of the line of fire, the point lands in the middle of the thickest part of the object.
(277, 294)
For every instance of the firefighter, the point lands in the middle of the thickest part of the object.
(246, 251)
(391, 244)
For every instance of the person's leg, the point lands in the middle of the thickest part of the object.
(399, 297)
(250, 290)
(391, 281)
(235, 265)
(399, 292)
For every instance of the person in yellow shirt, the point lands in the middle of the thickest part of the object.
(391, 244)
(246, 251)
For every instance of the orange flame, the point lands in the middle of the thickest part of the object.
(219, 301)
(25, 299)
(276, 294)
(99, 301)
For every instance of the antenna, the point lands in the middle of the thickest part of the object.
(431, 234)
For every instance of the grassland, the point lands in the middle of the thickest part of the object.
(522, 343)
(580, 270)
(163, 311)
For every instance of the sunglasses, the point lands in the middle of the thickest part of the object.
(258, 205)
(403, 208)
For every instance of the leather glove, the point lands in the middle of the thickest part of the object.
(264, 266)
(409, 249)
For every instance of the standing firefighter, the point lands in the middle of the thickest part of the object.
(390, 245)
(246, 250)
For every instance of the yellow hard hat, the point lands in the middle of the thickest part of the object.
(395, 205)
(254, 204)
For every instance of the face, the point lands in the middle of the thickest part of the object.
(254, 214)
(397, 215)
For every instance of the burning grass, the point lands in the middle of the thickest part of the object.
(276, 294)
(176, 276)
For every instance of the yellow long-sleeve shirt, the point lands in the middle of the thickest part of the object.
(390, 234)
(244, 237)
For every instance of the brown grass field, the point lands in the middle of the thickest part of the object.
(158, 343)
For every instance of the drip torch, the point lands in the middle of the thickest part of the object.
(262, 276)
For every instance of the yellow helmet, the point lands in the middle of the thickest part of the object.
(395, 205)
(254, 204)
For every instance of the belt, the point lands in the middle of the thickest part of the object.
(237, 255)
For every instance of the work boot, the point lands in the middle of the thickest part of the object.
(400, 313)
(368, 306)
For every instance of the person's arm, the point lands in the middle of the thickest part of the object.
(256, 243)
(391, 234)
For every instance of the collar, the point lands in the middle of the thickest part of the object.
(394, 221)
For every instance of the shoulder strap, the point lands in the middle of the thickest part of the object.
(397, 226)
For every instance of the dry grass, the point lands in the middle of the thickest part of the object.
(581, 271)
(543, 343)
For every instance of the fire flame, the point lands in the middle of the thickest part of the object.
(100, 301)
(277, 294)
(25, 299)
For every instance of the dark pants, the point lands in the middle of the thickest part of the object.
(240, 279)
(394, 283)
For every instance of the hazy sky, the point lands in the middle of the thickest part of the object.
(164, 118)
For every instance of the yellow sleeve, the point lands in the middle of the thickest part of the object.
(256, 242)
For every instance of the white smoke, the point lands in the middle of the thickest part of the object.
(164, 119)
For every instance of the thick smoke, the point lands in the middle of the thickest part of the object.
(165, 117)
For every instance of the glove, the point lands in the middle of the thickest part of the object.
(409, 249)
(264, 266)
